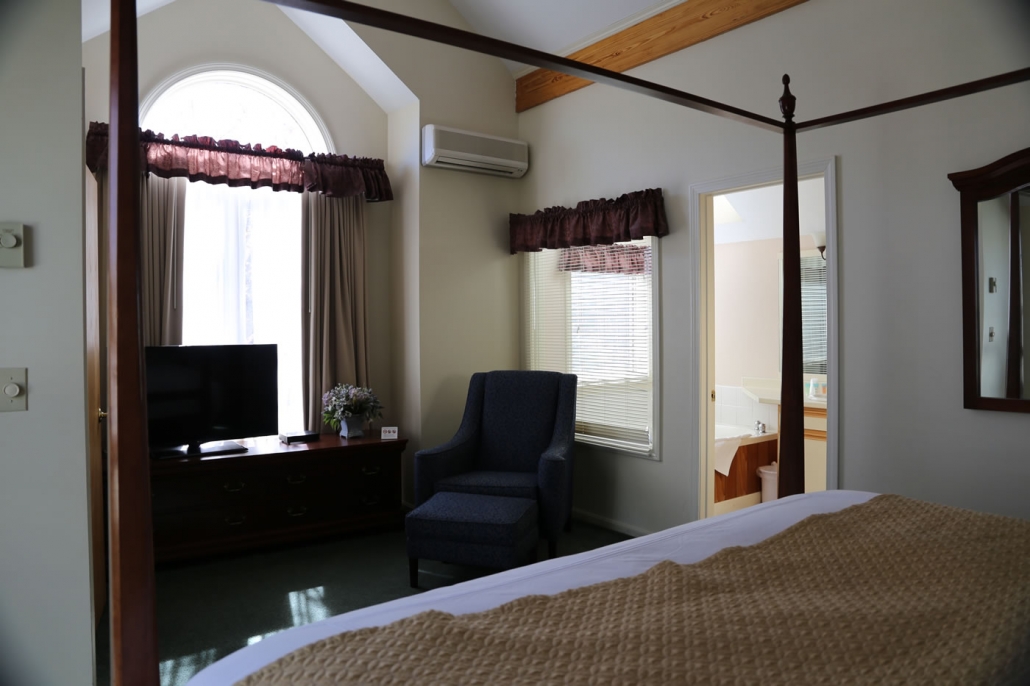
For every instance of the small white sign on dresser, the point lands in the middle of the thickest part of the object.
(388, 432)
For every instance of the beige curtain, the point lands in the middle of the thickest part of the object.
(162, 218)
(335, 340)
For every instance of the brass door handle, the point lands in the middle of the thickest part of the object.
(101, 415)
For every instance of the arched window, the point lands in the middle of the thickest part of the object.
(242, 247)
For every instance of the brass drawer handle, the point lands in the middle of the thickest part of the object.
(296, 479)
(235, 520)
(369, 500)
(234, 487)
(297, 511)
(371, 471)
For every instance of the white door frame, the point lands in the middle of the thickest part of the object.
(701, 242)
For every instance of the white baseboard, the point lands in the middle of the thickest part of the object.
(597, 520)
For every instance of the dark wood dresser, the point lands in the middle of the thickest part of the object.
(274, 493)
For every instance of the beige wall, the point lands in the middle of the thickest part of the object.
(259, 36)
(747, 311)
(46, 627)
(467, 284)
(899, 226)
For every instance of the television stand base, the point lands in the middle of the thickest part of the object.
(200, 450)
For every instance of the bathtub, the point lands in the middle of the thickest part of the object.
(726, 431)
(739, 451)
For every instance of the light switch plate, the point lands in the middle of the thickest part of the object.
(12, 257)
(18, 377)
(388, 433)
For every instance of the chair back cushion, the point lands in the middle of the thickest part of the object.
(519, 409)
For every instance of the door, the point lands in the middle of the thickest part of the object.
(739, 241)
(95, 355)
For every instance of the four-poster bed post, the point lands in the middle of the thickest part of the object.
(133, 645)
(791, 479)
(131, 550)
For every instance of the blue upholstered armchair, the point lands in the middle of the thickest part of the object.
(516, 440)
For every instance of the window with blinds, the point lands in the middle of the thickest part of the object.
(588, 311)
(813, 315)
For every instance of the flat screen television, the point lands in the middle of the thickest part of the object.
(201, 394)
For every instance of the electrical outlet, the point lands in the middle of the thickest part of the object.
(388, 433)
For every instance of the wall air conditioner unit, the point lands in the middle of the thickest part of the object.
(473, 152)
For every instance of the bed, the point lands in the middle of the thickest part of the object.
(941, 614)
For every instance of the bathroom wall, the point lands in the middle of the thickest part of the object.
(734, 407)
(747, 310)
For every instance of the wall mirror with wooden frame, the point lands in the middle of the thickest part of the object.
(995, 212)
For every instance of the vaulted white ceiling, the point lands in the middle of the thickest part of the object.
(555, 26)
(96, 15)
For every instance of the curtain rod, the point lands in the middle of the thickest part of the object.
(419, 28)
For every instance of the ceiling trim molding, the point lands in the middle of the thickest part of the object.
(672, 30)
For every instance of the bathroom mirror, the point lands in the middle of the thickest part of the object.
(995, 216)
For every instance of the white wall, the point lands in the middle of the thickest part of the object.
(46, 625)
(189, 33)
(899, 224)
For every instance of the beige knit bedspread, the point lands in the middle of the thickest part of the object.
(893, 591)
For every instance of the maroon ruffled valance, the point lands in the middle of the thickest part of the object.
(202, 158)
(624, 258)
(591, 222)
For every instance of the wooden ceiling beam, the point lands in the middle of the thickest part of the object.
(670, 31)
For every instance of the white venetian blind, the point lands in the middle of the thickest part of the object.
(588, 311)
(813, 315)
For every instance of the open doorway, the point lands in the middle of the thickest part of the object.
(741, 236)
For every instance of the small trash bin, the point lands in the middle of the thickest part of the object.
(769, 476)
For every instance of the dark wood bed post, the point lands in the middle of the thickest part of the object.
(1014, 358)
(133, 624)
(792, 419)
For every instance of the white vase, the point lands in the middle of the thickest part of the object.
(352, 427)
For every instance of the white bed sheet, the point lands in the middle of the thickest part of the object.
(684, 544)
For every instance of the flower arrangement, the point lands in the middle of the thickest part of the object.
(345, 401)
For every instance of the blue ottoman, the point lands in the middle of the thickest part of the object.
(471, 529)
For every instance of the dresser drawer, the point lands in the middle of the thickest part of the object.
(174, 492)
(187, 526)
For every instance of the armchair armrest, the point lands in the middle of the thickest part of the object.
(553, 477)
(456, 455)
(453, 457)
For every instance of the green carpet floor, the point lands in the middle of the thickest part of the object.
(208, 609)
